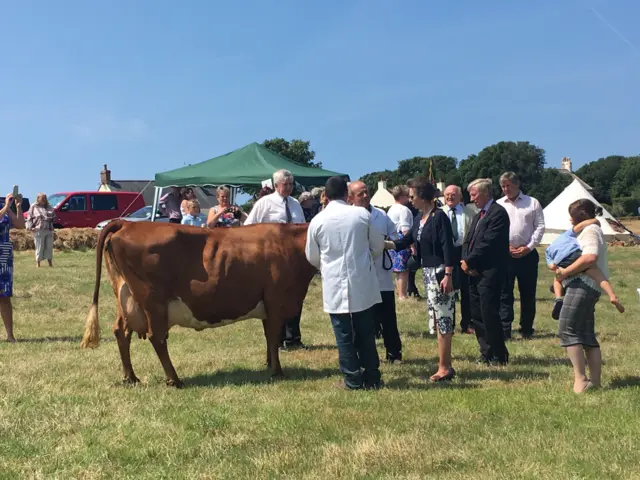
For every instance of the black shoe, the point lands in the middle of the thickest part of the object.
(374, 386)
(527, 335)
(557, 306)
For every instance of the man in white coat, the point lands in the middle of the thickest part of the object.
(281, 207)
(342, 243)
(460, 217)
(385, 311)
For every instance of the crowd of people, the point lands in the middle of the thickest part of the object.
(468, 255)
(471, 256)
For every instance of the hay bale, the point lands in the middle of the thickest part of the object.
(63, 239)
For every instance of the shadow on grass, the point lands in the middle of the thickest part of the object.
(243, 376)
(74, 339)
(521, 360)
(322, 347)
(422, 383)
(625, 382)
(418, 334)
(503, 375)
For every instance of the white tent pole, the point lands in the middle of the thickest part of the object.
(156, 200)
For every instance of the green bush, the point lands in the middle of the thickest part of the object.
(626, 206)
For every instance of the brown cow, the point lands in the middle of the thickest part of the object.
(165, 275)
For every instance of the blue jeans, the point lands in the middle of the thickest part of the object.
(357, 353)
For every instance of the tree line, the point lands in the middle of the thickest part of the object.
(615, 179)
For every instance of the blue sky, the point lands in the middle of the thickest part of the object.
(147, 86)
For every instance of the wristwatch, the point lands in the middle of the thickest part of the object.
(447, 274)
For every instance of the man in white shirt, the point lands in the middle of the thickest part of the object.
(281, 207)
(525, 234)
(460, 217)
(342, 243)
(385, 312)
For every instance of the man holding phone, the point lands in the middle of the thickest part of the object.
(8, 220)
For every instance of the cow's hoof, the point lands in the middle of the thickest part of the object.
(130, 381)
(175, 383)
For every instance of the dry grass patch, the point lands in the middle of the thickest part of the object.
(63, 239)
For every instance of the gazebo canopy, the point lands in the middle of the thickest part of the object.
(247, 166)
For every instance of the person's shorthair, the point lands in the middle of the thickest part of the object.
(424, 188)
(336, 188)
(584, 209)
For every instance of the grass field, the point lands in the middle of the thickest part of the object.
(64, 414)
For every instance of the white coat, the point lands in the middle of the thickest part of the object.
(387, 227)
(342, 243)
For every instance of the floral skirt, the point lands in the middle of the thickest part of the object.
(400, 258)
(6, 269)
(441, 305)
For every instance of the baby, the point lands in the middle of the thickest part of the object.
(192, 217)
(564, 251)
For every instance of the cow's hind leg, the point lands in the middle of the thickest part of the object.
(272, 331)
(266, 336)
(123, 336)
(159, 343)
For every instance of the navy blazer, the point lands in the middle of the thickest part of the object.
(486, 246)
(435, 245)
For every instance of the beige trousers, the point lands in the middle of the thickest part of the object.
(44, 244)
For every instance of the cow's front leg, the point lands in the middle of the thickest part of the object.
(124, 345)
(159, 343)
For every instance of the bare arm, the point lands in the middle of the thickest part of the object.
(17, 219)
(583, 263)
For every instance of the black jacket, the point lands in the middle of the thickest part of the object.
(487, 246)
(435, 245)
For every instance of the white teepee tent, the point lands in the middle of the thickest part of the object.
(382, 198)
(556, 215)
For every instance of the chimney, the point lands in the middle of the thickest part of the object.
(566, 164)
(105, 176)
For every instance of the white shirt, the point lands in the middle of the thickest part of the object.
(386, 227)
(463, 220)
(591, 241)
(401, 216)
(342, 243)
(271, 209)
(526, 220)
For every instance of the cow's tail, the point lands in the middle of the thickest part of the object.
(91, 337)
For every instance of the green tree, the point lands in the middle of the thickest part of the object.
(523, 158)
(599, 175)
(626, 182)
(443, 169)
(298, 151)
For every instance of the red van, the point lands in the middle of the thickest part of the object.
(87, 209)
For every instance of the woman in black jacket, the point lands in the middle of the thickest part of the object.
(433, 237)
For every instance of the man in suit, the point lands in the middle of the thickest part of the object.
(460, 217)
(485, 256)
(343, 244)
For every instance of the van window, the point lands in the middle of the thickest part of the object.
(104, 202)
(77, 203)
